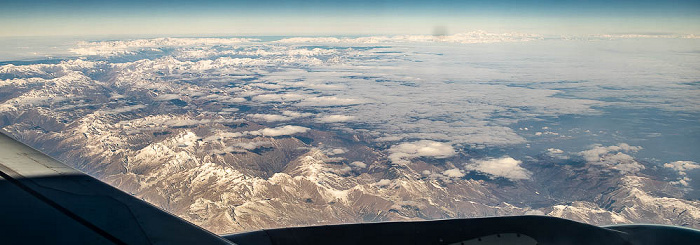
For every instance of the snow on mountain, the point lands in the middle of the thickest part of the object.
(241, 134)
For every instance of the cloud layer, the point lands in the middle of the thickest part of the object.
(465, 38)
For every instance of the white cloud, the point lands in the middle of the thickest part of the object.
(545, 133)
(286, 116)
(467, 37)
(472, 37)
(682, 167)
(613, 157)
(682, 181)
(329, 101)
(383, 182)
(279, 97)
(341, 171)
(337, 151)
(163, 97)
(596, 153)
(280, 131)
(269, 86)
(269, 117)
(252, 145)
(269, 132)
(296, 114)
(453, 173)
(404, 152)
(335, 118)
(505, 167)
(557, 153)
(237, 100)
(358, 164)
(123, 109)
(224, 136)
(310, 40)
(223, 98)
(388, 138)
(637, 36)
(242, 147)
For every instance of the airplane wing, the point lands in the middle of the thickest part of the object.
(523, 230)
(43, 201)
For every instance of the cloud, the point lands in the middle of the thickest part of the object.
(224, 136)
(336, 151)
(682, 181)
(269, 117)
(280, 131)
(279, 97)
(545, 133)
(682, 167)
(268, 132)
(383, 182)
(613, 156)
(223, 98)
(453, 173)
(468, 38)
(388, 138)
(163, 97)
(330, 101)
(269, 86)
(598, 151)
(295, 114)
(341, 171)
(123, 109)
(335, 118)
(636, 36)
(242, 147)
(404, 152)
(557, 153)
(286, 116)
(505, 167)
(472, 37)
(252, 145)
(465, 38)
(358, 164)
(554, 151)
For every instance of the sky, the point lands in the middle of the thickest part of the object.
(363, 17)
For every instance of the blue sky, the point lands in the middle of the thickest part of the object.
(364, 17)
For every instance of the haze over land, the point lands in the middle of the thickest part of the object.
(255, 132)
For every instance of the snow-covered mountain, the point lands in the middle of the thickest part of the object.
(240, 134)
